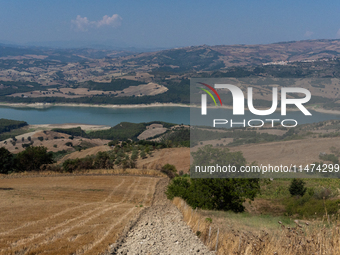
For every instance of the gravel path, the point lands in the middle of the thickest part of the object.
(160, 230)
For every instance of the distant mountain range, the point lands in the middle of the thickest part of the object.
(96, 76)
(64, 55)
(205, 58)
(195, 57)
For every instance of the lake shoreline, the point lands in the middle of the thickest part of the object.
(48, 105)
(129, 106)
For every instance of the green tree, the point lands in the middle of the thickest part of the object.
(178, 188)
(70, 165)
(70, 144)
(222, 193)
(209, 156)
(134, 155)
(169, 170)
(113, 143)
(143, 154)
(102, 160)
(118, 160)
(32, 158)
(125, 164)
(216, 193)
(297, 187)
(132, 163)
(6, 161)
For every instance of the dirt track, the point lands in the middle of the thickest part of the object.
(160, 230)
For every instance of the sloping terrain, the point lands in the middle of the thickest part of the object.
(179, 157)
(84, 153)
(214, 57)
(81, 65)
(296, 152)
(151, 131)
(53, 141)
(41, 135)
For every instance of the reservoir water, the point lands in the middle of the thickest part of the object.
(96, 115)
(113, 116)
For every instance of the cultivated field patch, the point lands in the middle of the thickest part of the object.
(68, 214)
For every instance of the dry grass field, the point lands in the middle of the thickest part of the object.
(49, 137)
(149, 89)
(261, 235)
(55, 144)
(296, 152)
(84, 153)
(68, 214)
(179, 157)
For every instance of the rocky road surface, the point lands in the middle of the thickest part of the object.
(160, 229)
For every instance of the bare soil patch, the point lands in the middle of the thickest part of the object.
(149, 89)
(151, 131)
(69, 125)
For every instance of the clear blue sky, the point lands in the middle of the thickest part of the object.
(160, 23)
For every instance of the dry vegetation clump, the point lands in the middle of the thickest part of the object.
(315, 237)
(132, 171)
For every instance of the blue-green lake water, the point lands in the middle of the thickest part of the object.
(96, 115)
(113, 116)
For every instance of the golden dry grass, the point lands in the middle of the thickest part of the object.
(295, 152)
(179, 157)
(68, 214)
(86, 152)
(316, 238)
(118, 171)
(55, 144)
(149, 89)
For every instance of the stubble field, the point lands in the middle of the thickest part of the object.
(68, 214)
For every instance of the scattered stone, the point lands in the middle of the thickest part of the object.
(159, 228)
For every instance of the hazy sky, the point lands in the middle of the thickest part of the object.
(160, 23)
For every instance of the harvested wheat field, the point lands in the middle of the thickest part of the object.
(68, 214)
